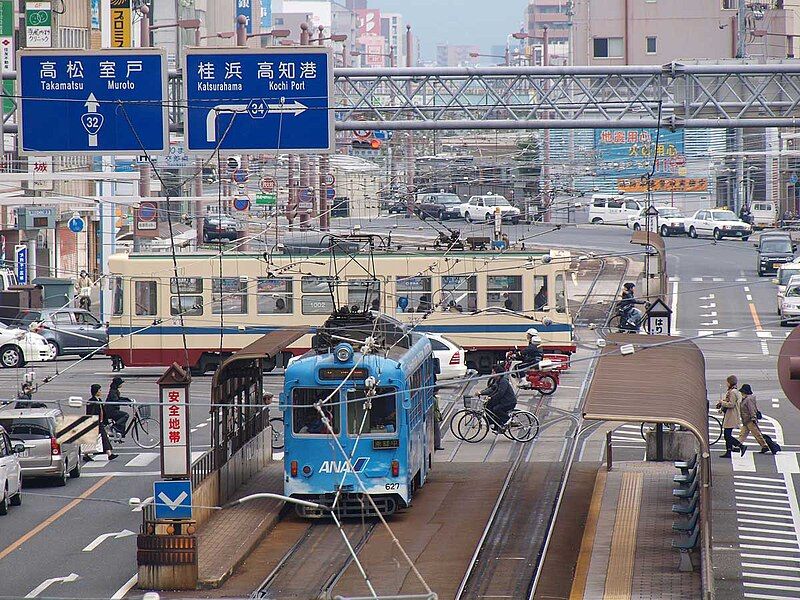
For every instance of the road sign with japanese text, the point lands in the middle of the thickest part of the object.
(106, 102)
(174, 432)
(259, 100)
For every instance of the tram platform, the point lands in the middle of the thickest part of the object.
(229, 536)
(626, 551)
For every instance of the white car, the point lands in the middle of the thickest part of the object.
(482, 208)
(10, 473)
(670, 221)
(18, 347)
(718, 223)
(790, 306)
(788, 274)
(452, 359)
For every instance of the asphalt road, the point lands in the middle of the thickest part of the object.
(46, 537)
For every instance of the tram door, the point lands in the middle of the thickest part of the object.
(145, 343)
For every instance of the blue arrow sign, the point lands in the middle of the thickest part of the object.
(173, 499)
(259, 100)
(76, 224)
(95, 102)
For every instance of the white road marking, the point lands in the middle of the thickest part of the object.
(202, 425)
(712, 322)
(743, 463)
(746, 289)
(713, 313)
(709, 305)
(126, 587)
(102, 538)
(771, 576)
(741, 279)
(776, 567)
(739, 478)
(770, 557)
(48, 582)
(122, 474)
(142, 459)
(733, 334)
(764, 334)
(705, 332)
(764, 348)
(717, 279)
(674, 303)
(786, 462)
(749, 297)
(697, 279)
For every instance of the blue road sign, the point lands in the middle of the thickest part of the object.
(21, 255)
(382, 134)
(241, 203)
(173, 499)
(240, 176)
(306, 195)
(793, 178)
(76, 224)
(259, 100)
(330, 193)
(94, 102)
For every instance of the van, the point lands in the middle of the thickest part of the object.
(775, 248)
(613, 209)
(764, 214)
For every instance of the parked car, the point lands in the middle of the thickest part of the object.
(613, 209)
(790, 305)
(718, 223)
(220, 227)
(787, 273)
(19, 346)
(670, 221)
(10, 472)
(65, 330)
(483, 208)
(774, 249)
(43, 455)
(440, 206)
(451, 357)
(397, 206)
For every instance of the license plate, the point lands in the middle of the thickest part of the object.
(25, 454)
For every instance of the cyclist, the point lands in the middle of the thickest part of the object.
(83, 289)
(502, 399)
(114, 401)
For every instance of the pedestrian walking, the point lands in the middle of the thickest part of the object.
(437, 425)
(94, 406)
(749, 412)
(730, 405)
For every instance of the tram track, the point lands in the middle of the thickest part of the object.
(321, 545)
(596, 306)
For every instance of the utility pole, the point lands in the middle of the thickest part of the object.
(741, 35)
(409, 135)
(144, 166)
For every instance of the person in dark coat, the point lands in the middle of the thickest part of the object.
(114, 400)
(502, 398)
(94, 406)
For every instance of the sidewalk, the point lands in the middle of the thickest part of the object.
(627, 543)
(229, 535)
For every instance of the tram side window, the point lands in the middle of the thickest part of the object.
(504, 291)
(459, 293)
(274, 296)
(190, 301)
(380, 419)
(316, 295)
(229, 296)
(364, 294)
(540, 291)
(118, 298)
(414, 294)
(561, 294)
(146, 298)
(306, 418)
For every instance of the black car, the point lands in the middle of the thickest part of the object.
(774, 250)
(440, 206)
(220, 227)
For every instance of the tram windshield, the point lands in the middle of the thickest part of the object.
(380, 419)
(306, 419)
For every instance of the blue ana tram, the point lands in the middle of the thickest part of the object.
(377, 404)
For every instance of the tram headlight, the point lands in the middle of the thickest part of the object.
(307, 471)
(343, 352)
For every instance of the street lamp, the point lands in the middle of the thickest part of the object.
(390, 56)
(506, 57)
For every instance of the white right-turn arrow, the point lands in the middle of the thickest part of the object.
(48, 582)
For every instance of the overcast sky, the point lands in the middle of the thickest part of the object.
(482, 22)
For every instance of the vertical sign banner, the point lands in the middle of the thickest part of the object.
(37, 166)
(121, 23)
(174, 432)
(244, 7)
(38, 24)
(266, 15)
(7, 58)
(21, 262)
(95, 13)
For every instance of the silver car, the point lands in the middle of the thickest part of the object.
(44, 456)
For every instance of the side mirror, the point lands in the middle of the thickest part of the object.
(18, 448)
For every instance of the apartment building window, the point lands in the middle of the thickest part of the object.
(650, 44)
(607, 47)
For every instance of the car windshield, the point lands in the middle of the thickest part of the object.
(786, 275)
(447, 199)
(793, 292)
(495, 201)
(25, 317)
(779, 245)
(670, 212)
(27, 428)
(723, 215)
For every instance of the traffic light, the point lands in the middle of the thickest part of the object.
(366, 144)
(233, 163)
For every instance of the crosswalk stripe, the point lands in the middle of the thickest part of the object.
(142, 459)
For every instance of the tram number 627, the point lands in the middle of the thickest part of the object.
(392, 486)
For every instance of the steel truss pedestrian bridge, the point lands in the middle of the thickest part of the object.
(698, 95)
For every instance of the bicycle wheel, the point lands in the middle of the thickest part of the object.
(145, 433)
(523, 426)
(471, 427)
(714, 430)
(454, 420)
(277, 433)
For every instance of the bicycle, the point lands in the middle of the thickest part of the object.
(714, 429)
(142, 427)
(472, 423)
(276, 424)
